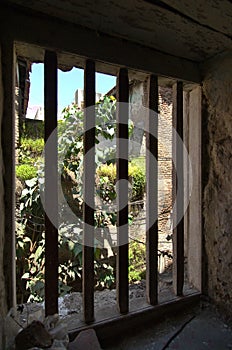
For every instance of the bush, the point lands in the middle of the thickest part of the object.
(138, 180)
(106, 180)
(34, 146)
(32, 128)
(30, 150)
(137, 261)
(26, 172)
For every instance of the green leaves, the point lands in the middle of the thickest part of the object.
(26, 275)
(106, 181)
(26, 171)
(137, 261)
(30, 226)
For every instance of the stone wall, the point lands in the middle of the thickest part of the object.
(217, 180)
(2, 292)
(2, 282)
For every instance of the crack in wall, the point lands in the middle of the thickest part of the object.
(177, 333)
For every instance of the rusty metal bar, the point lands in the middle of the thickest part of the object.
(122, 190)
(51, 177)
(178, 191)
(89, 182)
(152, 192)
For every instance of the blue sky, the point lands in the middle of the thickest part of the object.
(68, 83)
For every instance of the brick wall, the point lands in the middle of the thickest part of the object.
(138, 98)
(165, 161)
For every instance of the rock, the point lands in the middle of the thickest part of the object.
(86, 340)
(35, 335)
(18, 187)
(58, 345)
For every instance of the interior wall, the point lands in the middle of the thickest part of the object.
(2, 281)
(217, 191)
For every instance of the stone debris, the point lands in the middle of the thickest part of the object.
(34, 335)
(27, 328)
(85, 340)
(70, 308)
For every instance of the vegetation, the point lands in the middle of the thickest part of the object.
(29, 154)
(139, 162)
(137, 261)
(32, 129)
(107, 180)
(30, 222)
(25, 172)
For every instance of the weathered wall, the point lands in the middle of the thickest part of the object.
(217, 195)
(2, 292)
(194, 242)
(2, 283)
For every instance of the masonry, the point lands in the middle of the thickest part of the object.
(1, 198)
(3, 308)
(217, 194)
(137, 99)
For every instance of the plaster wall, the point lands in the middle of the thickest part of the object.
(194, 243)
(217, 180)
(2, 292)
